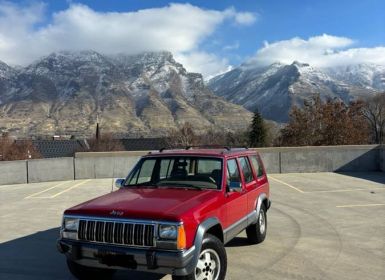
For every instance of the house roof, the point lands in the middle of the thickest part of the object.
(143, 144)
(67, 148)
(57, 148)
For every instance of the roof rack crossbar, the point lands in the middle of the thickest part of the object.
(209, 147)
(227, 148)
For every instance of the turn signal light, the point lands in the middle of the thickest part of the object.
(181, 242)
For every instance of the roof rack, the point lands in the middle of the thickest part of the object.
(208, 147)
(227, 148)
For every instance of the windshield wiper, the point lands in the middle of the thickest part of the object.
(147, 184)
(166, 184)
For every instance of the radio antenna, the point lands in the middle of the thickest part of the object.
(113, 178)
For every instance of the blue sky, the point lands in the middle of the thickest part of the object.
(230, 33)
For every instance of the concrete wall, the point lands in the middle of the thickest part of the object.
(13, 172)
(52, 169)
(104, 167)
(118, 164)
(330, 159)
(271, 161)
(276, 160)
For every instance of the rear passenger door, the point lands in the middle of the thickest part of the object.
(236, 198)
(260, 183)
(249, 181)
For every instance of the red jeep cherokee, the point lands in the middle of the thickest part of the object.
(172, 214)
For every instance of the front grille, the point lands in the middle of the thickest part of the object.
(116, 232)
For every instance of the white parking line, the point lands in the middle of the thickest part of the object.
(286, 184)
(349, 190)
(360, 205)
(46, 190)
(74, 186)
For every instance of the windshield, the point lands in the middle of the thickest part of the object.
(177, 171)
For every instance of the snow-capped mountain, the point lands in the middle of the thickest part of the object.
(362, 75)
(274, 89)
(142, 95)
(5, 70)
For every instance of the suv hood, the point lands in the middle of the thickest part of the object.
(145, 203)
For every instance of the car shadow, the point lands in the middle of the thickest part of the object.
(238, 242)
(35, 257)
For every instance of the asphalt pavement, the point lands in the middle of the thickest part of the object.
(320, 226)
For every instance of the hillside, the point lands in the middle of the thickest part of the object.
(141, 95)
(274, 89)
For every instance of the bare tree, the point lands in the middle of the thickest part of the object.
(183, 137)
(17, 150)
(105, 143)
(213, 137)
(374, 112)
(326, 123)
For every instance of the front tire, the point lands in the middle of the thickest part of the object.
(212, 262)
(256, 233)
(83, 272)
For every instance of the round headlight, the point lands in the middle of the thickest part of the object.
(168, 232)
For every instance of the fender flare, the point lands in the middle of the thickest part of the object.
(262, 197)
(199, 235)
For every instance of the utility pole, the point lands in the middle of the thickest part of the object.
(97, 128)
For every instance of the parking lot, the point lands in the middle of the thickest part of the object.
(320, 226)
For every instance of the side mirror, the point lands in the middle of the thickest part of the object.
(235, 186)
(119, 183)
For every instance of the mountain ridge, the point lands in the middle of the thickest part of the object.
(148, 94)
(274, 89)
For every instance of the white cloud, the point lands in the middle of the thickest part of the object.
(231, 47)
(179, 28)
(202, 62)
(323, 51)
(245, 18)
(241, 18)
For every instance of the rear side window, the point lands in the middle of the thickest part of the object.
(257, 165)
(246, 169)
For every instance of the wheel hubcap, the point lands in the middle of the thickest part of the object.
(262, 222)
(208, 266)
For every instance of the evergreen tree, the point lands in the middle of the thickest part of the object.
(258, 133)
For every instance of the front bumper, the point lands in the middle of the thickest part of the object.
(121, 257)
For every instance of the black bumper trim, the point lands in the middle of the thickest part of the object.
(149, 259)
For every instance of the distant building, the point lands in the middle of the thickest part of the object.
(67, 147)
(58, 148)
(144, 144)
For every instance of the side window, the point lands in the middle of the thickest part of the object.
(165, 168)
(144, 173)
(257, 166)
(246, 169)
(232, 172)
(207, 166)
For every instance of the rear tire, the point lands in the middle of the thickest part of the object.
(212, 261)
(256, 233)
(83, 272)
